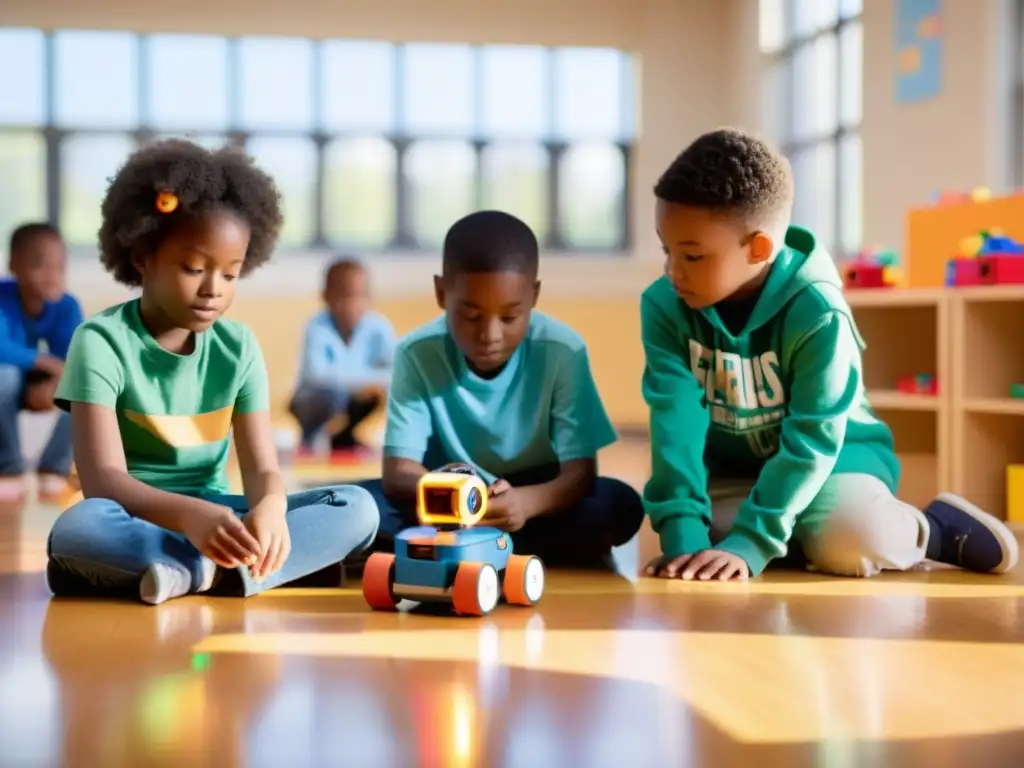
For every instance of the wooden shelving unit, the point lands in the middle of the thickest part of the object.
(971, 338)
(907, 332)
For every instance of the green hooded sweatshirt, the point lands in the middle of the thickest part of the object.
(783, 402)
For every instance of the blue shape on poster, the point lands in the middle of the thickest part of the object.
(918, 50)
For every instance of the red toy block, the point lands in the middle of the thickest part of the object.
(1000, 270)
(966, 272)
(865, 276)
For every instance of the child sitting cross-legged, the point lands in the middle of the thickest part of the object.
(157, 385)
(507, 390)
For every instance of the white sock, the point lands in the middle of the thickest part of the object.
(209, 575)
(164, 581)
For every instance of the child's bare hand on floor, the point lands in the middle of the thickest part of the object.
(217, 532)
(706, 565)
(267, 523)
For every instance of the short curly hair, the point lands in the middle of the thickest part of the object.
(734, 173)
(202, 180)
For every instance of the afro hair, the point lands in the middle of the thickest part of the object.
(731, 172)
(200, 181)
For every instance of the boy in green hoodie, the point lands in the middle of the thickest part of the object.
(753, 380)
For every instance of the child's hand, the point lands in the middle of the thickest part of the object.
(705, 565)
(217, 532)
(267, 523)
(505, 507)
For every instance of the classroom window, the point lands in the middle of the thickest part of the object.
(23, 159)
(516, 179)
(87, 162)
(375, 146)
(359, 200)
(592, 186)
(440, 177)
(812, 92)
(22, 77)
(292, 161)
(186, 85)
(96, 79)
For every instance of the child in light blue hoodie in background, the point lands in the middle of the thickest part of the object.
(346, 359)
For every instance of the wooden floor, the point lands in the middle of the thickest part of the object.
(792, 670)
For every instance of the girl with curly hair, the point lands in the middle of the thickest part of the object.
(157, 385)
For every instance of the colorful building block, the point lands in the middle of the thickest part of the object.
(1000, 270)
(859, 275)
(918, 384)
(987, 258)
(873, 268)
(1015, 493)
(963, 272)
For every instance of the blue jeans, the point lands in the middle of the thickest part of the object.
(96, 547)
(56, 457)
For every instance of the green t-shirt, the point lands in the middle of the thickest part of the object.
(174, 411)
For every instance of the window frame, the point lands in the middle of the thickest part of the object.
(404, 238)
(784, 59)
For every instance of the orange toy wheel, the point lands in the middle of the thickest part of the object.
(524, 580)
(476, 589)
(378, 582)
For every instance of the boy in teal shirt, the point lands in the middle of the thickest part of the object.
(753, 379)
(507, 390)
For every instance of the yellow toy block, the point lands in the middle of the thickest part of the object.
(981, 194)
(970, 246)
(1015, 493)
(894, 276)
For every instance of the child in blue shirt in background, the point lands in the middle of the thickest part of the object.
(34, 311)
(346, 358)
(762, 435)
(507, 390)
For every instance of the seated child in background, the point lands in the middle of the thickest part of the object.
(753, 378)
(156, 386)
(34, 310)
(508, 391)
(346, 358)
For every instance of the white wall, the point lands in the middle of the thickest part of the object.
(957, 141)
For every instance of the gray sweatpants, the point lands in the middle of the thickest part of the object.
(856, 527)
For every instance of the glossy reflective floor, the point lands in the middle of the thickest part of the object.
(794, 669)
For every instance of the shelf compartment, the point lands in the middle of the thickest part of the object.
(916, 434)
(989, 441)
(990, 352)
(901, 341)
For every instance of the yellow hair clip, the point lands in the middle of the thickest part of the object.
(167, 202)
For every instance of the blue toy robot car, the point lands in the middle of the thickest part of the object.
(448, 559)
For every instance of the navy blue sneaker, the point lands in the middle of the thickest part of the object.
(964, 536)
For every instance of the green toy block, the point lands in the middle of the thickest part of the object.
(888, 258)
(1017, 389)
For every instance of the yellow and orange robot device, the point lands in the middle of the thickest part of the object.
(449, 558)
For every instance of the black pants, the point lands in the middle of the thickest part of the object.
(580, 536)
(314, 406)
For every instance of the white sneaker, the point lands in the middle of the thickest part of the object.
(163, 582)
